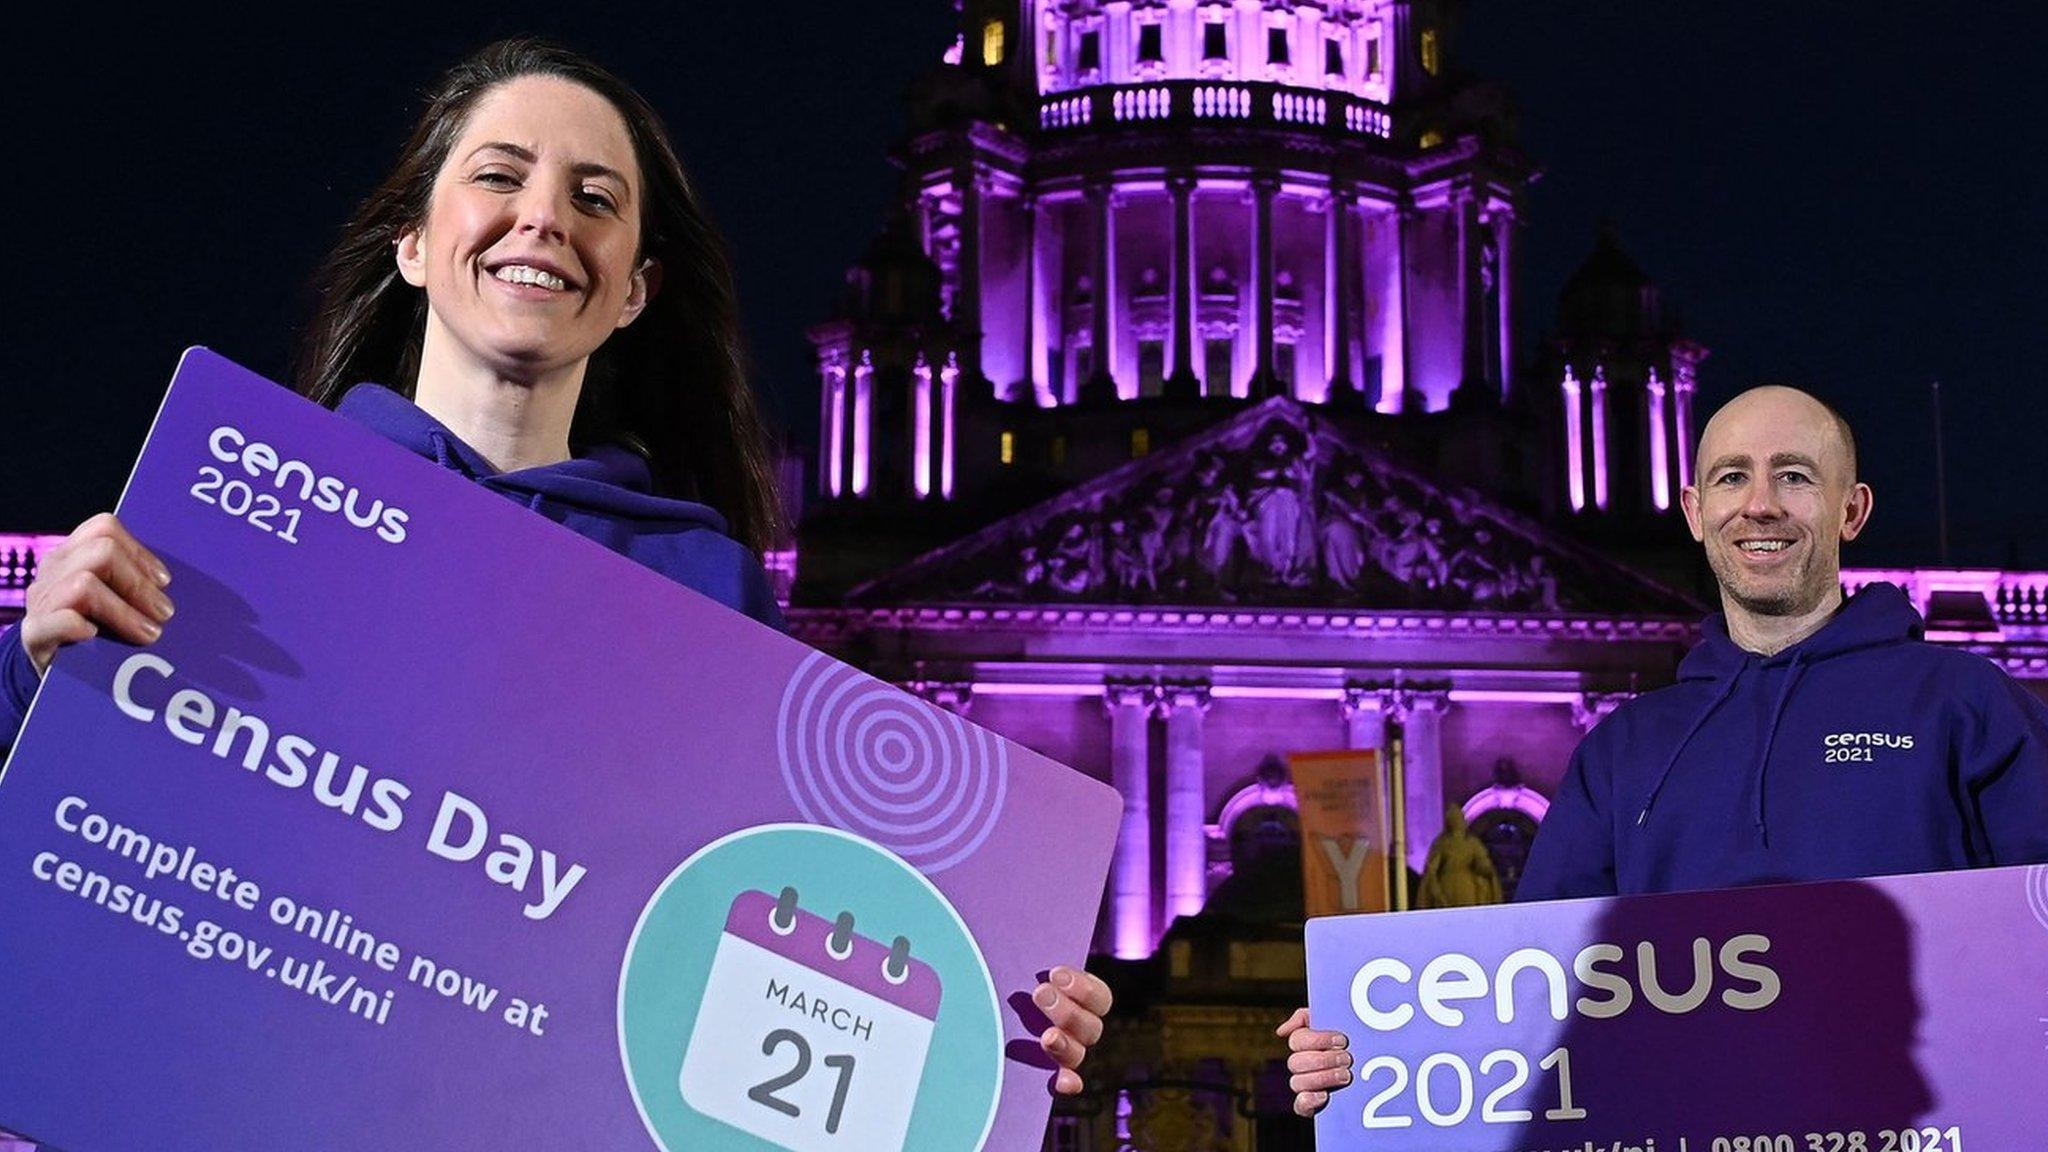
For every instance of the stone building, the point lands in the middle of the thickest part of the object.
(1177, 423)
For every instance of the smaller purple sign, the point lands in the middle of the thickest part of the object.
(1896, 1014)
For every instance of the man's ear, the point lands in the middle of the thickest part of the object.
(640, 292)
(1861, 503)
(1689, 500)
(411, 258)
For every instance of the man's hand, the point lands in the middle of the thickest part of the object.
(1075, 1002)
(1318, 1063)
(100, 577)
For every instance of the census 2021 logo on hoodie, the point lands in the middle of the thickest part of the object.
(1863, 747)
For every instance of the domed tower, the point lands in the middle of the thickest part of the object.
(1203, 202)
(890, 368)
(1624, 376)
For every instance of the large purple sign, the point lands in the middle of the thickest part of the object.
(1899, 1014)
(429, 824)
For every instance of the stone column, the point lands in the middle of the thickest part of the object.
(1187, 864)
(1394, 338)
(1100, 386)
(955, 696)
(1593, 707)
(1471, 297)
(1503, 281)
(1184, 383)
(967, 304)
(1130, 872)
(1422, 713)
(1365, 719)
(1264, 189)
(1034, 300)
(1342, 271)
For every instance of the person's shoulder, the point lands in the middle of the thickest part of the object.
(707, 561)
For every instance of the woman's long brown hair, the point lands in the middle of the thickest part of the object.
(673, 384)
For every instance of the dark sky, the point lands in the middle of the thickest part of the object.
(1844, 195)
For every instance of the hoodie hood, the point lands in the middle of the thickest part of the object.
(1878, 614)
(606, 481)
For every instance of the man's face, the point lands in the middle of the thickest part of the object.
(1774, 501)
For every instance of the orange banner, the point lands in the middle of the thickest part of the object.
(1342, 800)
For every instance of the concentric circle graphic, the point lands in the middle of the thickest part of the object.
(2037, 892)
(862, 756)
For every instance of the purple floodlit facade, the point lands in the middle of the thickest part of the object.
(1236, 455)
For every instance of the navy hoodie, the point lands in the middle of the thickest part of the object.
(606, 494)
(1860, 751)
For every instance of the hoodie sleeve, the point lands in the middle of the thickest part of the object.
(1574, 851)
(18, 682)
(2004, 776)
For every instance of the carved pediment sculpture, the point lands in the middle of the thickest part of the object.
(1275, 506)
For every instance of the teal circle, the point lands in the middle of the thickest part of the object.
(669, 961)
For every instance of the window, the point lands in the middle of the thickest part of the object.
(1216, 358)
(1333, 56)
(1283, 365)
(1084, 363)
(1372, 56)
(1006, 448)
(1151, 367)
(992, 43)
(1215, 41)
(1276, 45)
(1151, 44)
(1430, 139)
(1091, 51)
(1141, 442)
(1431, 60)
(1057, 451)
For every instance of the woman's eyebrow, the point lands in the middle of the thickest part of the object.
(529, 156)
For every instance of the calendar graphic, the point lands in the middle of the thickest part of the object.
(796, 988)
(811, 1034)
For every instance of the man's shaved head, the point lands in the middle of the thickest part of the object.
(1773, 499)
(1782, 392)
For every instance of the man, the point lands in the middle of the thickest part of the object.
(1808, 737)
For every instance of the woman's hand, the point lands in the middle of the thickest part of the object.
(1318, 1063)
(100, 577)
(1075, 1002)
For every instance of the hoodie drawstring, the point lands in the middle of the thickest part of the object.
(442, 455)
(1771, 737)
(1720, 698)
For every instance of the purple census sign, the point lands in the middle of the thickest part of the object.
(431, 824)
(1896, 1014)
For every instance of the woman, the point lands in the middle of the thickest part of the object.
(539, 285)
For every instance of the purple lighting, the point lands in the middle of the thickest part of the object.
(835, 436)
(1660, 462)
(949, 380)
(921, 428)
(1600, 438)
(863, 405)
(1575, 449)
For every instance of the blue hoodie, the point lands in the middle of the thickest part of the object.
(1860, 751)
(606, 494)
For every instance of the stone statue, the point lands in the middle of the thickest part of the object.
(1279, 505)
(1459, 873)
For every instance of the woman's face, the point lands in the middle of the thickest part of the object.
(530, 250)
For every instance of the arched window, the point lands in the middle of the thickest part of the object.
(1504, 817)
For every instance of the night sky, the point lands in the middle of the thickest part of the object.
(1840, 195)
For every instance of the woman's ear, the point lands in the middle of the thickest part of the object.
(411, 258)
(646, 282)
